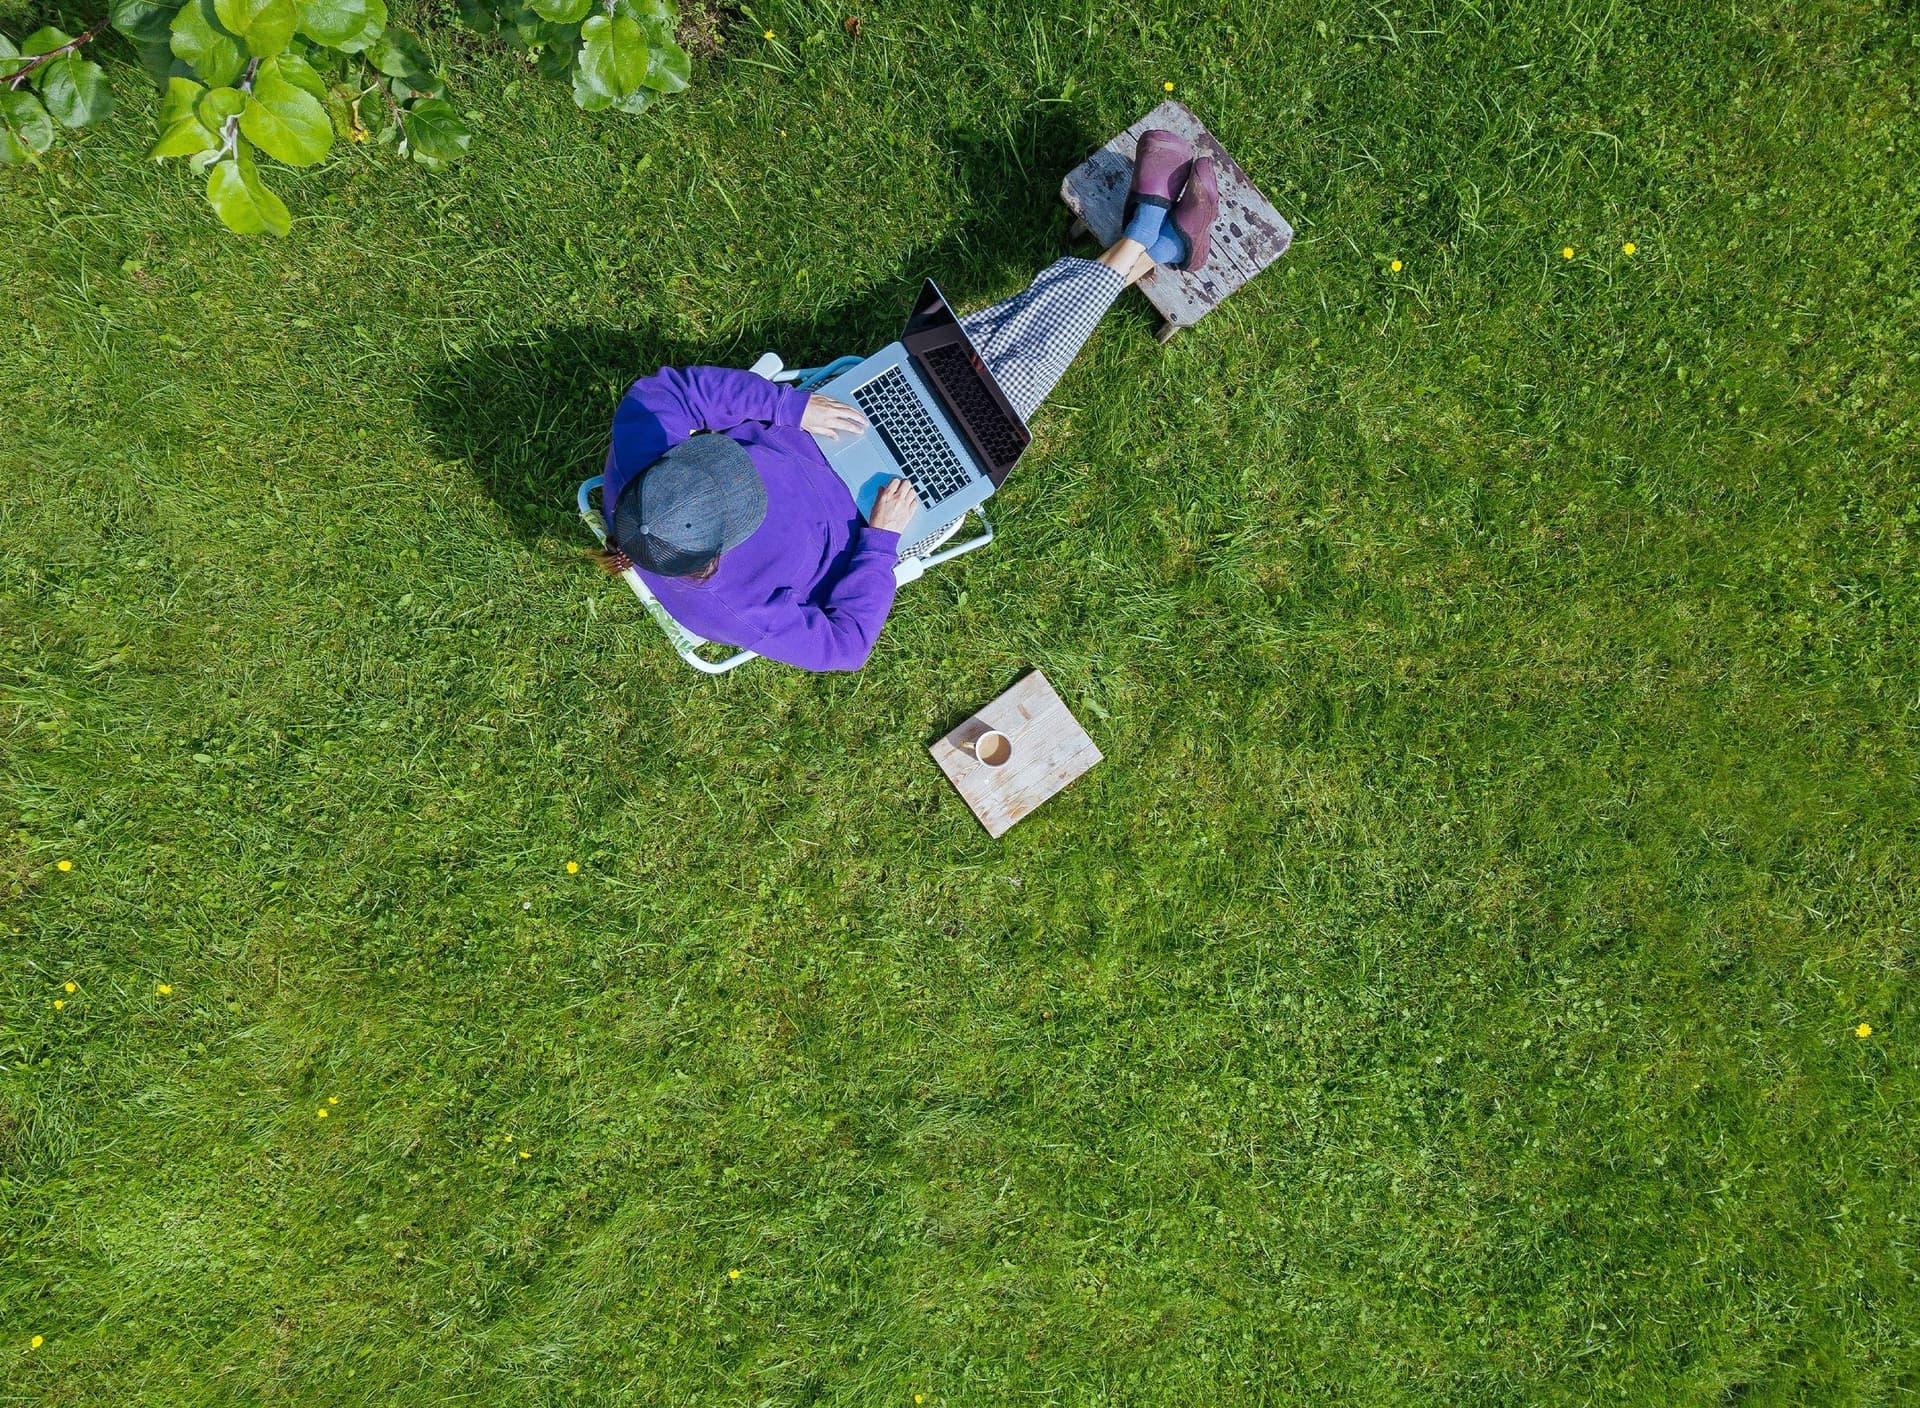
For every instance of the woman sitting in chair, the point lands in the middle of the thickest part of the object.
(747, 536)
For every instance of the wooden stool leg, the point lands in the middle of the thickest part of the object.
(1079, 229)
(1164, 333)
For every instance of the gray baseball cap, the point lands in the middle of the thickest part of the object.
(686, 508)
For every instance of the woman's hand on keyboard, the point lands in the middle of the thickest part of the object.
(893, 510)
(826, 416)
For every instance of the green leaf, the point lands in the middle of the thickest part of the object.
(283, 120)
(156, 57)
(329, 64)
(562, 11)
(668, 68)
(302, 75)
(76, 91)
(187, 137)
(25, 123)
(199, 39)
(179, 100)
(10, 60)
(216, 105)
(348, 25)
(531, 29)
(376, 116)
(544, 34)
(399, 55)
(479, 16)
(44, 41)
(405, 91)
(243, 204)
(181, 131)
(613, 57)
(587, 97)
(435, 131)
(648, 12)
(338, 102)
(183, 139)
(266, 25)
(213, 109)
(144, 21)
(556, 59)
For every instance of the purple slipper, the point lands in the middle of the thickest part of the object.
(1160, 165)
(1193, 216)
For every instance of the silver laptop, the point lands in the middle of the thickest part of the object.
(936, 415)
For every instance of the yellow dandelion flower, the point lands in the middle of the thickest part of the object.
(58, 1003)
(919, 1398)
(35, 1342)
(1567, 253)
(333, 1099)
(1396, 266)
(63, 865)
(573, 867)
(734, 1275)
(525, 1155)
(69, 987)
(1629, 248)
(767, 35)
(165, 989)
(1863, 1031)
(320, 1113)
(506, 1139)
(1168, 85)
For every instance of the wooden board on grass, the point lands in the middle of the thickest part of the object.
(1248, 235)
(1050, 749)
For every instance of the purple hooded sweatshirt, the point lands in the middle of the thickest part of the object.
(812, 586)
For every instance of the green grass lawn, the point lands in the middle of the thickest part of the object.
(1444, 993)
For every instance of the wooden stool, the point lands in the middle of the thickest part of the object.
(1248, 235)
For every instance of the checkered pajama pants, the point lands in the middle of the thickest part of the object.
(1030, 340)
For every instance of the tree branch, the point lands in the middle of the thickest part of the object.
(387, 93)
(230, 129)
(19, 76)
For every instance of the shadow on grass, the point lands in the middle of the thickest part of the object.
(531, 417)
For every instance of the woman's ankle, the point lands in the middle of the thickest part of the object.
(1121, 255)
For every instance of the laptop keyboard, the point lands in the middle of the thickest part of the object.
(957, 377)
(894, 408)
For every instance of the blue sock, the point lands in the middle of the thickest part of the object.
(1170, 248)
(1144, 226)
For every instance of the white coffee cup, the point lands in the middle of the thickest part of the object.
(992, 749)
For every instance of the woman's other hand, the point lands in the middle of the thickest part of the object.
(893, 510)
(826, 416)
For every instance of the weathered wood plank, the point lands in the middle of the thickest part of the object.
(1248, 235)
(1050, 749)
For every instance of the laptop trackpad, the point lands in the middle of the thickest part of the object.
(869, 490)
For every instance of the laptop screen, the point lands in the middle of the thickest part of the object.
(930, 310)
